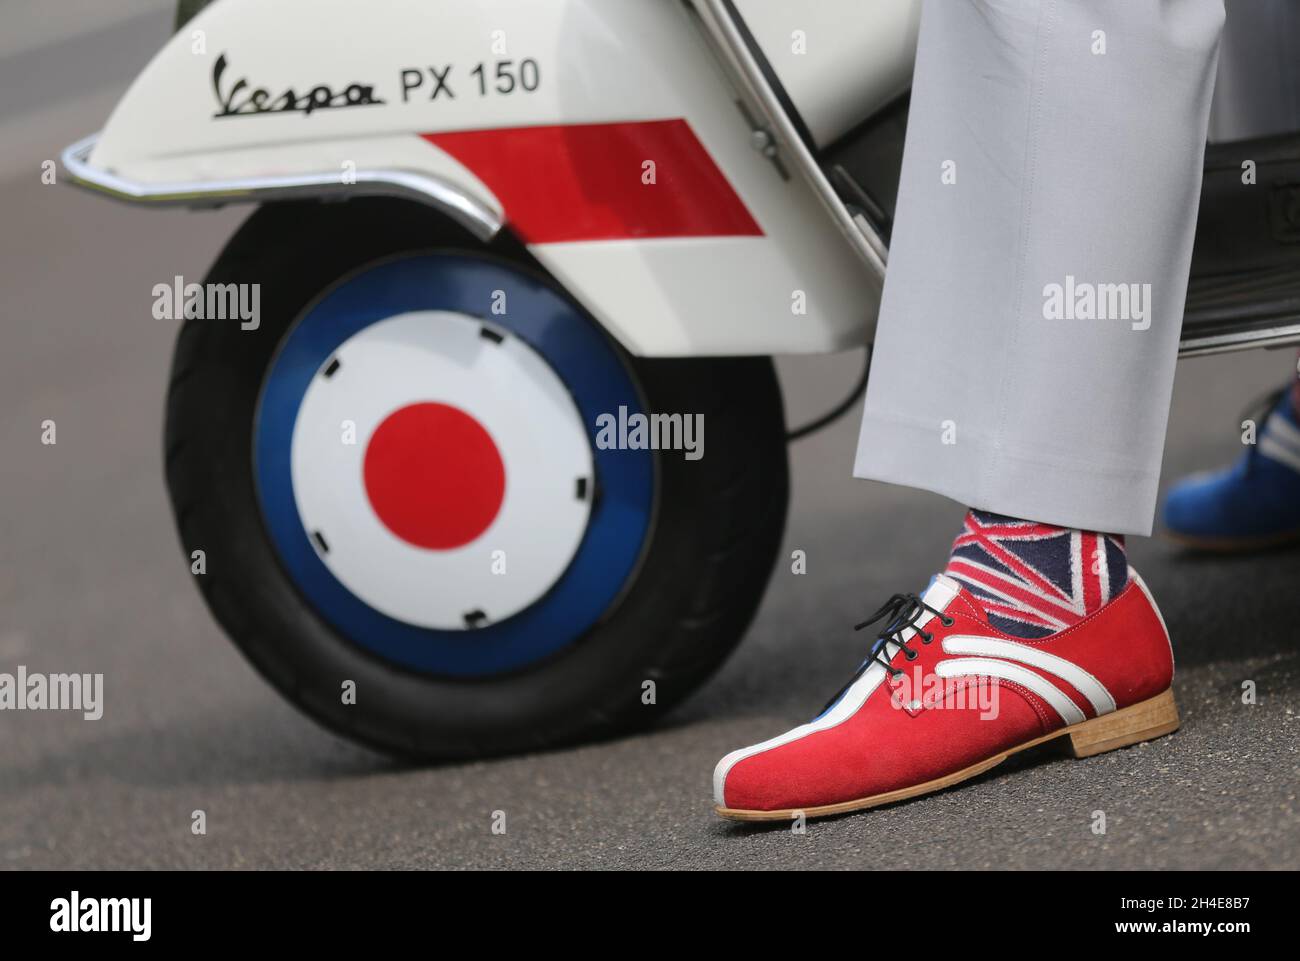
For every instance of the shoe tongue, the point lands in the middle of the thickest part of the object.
(940, 592)
(943, 590)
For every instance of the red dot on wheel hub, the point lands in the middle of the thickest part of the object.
(434, 476)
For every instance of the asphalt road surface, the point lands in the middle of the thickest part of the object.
(90, 581)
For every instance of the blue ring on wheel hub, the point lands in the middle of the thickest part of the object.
(596, 376)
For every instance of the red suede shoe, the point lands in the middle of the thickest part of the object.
(947, 696)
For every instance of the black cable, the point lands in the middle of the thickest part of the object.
(836, 412)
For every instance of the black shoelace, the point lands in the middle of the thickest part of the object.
(900, 613)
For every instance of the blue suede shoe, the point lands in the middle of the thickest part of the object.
(1255, 503)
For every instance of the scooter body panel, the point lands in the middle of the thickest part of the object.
(604, 132)
(840, 61)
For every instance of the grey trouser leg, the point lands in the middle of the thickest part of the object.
(1029, 328)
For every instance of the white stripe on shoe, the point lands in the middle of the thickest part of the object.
(1015, 674)
(1280, 441)
(1273, 449)
(1279, 425)
(1068, 671)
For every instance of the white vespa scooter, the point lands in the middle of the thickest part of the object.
(509, 258)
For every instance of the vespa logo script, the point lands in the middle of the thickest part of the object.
(242, 99)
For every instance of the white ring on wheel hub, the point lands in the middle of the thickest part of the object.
(427, 378)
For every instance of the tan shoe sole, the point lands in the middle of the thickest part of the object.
(1144, 721)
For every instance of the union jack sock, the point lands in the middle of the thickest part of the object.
(1036, 579)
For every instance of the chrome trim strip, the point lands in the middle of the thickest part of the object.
(476, 217)
(740, 63)
(1282, 335)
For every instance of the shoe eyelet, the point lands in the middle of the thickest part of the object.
(912, 655)
(927, 638)
(949, 621)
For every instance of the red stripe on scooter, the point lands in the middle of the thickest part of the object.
(584, 182)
